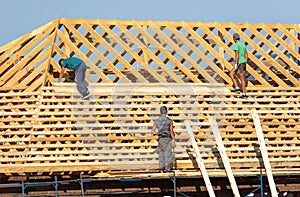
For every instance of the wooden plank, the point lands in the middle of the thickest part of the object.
(144, 89)
(253, 58)
(192, 47)
(81, 55)
(131, 52)
(277, 51)
(98, 54)
(161, 49)
(288, 47)
(147, 51)
(184, 55)
(230, 51)
(225, 160)
(27, 36)
(199, 160)
(27, 70)
(54, 126)
(208, 47)
(264, 153)
(114, 52)
(35, 51)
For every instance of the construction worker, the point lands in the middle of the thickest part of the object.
(76, 64)
(163, 127)
(241, 59)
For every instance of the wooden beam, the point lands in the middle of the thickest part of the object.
(199, 160)
(264, 153)
(225, 160)
(228, 50)
(146, 89)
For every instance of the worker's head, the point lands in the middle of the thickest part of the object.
(236, 37)
(163, 110)
(61, 61)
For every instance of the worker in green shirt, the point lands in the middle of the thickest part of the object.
(241, 59)
(76, 64)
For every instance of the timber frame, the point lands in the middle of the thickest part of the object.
(134, 68)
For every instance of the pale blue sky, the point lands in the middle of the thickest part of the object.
(19, 17)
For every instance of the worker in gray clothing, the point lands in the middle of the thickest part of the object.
(163, 127)
(76, 64)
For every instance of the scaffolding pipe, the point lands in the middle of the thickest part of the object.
(81, 186)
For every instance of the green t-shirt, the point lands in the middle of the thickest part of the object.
(241, 48)
(71, 63)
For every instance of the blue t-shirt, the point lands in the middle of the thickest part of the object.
(71, 63)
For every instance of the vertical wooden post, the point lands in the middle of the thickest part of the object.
(264, 153)
(199, 160)
(225, 160)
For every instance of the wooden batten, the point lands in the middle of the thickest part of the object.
(134, 67)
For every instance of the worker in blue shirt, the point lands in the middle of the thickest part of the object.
(76, 64)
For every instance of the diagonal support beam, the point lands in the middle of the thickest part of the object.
(225, 160)
(264, 152)
(199, 159)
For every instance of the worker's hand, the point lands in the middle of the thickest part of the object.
(173, 143)
(154, 130)
(235, 66)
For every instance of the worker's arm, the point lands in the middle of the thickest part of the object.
(236, 59)
(62, 72)
(172, 134)
(154, 131)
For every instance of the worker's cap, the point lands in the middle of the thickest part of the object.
(236, 36)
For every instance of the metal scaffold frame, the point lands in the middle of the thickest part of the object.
(54, 183)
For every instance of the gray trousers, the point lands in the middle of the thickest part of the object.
(82, 84)
(165, 153)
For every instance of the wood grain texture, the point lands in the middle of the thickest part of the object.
(134, 68)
